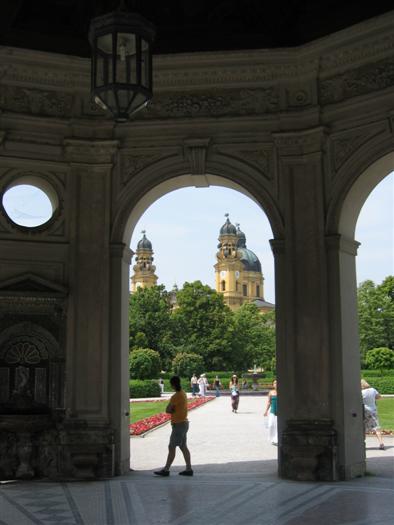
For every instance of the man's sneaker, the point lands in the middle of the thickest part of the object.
(186, 473)
(162, 472)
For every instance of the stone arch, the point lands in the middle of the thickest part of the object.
(173, 173)
(354, 183)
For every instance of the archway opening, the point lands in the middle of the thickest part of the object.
(180, 231)
(366, 219)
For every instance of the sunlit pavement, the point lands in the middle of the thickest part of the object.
(235, 481)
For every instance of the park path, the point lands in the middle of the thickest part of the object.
(218, 440)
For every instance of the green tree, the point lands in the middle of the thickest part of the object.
(380, 359)
(186, 364)
(150, 321)
(376, 314)
(254, 336)
(203, 324)
(144, 363)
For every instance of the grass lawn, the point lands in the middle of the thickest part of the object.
(141, 409)
(386, 412)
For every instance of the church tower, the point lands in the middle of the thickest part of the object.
(238, 270)
(144, 271)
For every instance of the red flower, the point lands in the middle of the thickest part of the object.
(142, 426)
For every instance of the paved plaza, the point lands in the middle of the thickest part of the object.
(235, 482)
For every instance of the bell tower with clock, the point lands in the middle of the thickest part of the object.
(144, 269)
(238, 270)
(228, 267)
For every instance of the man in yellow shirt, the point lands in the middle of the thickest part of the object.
(177, 407)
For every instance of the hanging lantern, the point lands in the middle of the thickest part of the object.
(121, 62)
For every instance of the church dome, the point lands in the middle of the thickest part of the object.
(144, 243)
(249, 260)
(228, 228)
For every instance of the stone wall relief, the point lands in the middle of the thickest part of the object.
(346, 143)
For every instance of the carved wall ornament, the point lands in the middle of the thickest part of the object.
(23, 351)
(36, 102)
(195, 153)
(26, 342)
(346, 143)
(261, 157)
(360, 81)
(298, 98)
(214, 104)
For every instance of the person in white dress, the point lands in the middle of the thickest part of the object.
(371, 421)
(202, 384)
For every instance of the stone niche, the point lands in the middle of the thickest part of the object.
(37, 437)
(32, 316)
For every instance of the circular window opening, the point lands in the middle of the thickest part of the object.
(28, 205)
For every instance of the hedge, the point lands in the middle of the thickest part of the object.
(377, 373)
(144, 388)
(384, 385)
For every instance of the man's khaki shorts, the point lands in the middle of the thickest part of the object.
(179, 434)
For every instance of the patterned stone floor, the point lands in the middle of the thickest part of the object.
(235, 482)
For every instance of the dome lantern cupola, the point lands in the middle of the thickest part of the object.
(228, 228)
(241, 242)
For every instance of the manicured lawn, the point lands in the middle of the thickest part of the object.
(141, 409)
(386, 412)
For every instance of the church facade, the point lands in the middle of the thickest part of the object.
(238, 274)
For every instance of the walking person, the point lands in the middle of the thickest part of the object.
(271, 412)
(202, 384)
(217, 384)
(371, 421)
(234, 393)
(177, 407)
(194, 385)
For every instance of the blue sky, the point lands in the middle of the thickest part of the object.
(184, 225)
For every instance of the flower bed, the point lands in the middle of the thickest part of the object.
(142, 426)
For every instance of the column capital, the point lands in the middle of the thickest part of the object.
(343, 244)
(84, 151)
(303, 142)
(277, 246)
(121, 251)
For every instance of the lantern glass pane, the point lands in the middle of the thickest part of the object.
(126, 59)
(104, 44)
(138, 102)
(101, 70)
(144, 63)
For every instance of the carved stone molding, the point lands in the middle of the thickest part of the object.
(36, 102)
(346, 143)
(361, 52)
(195, 153)
(359, 81)
(90, 151)
(342, 244)
(232, 102)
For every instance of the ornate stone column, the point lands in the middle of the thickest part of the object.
(345, 356)
(307, 443)
(88, 435)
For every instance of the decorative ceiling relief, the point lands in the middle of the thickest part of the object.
(214, 104)
(133, 163)
(36, 102)
(360, 81)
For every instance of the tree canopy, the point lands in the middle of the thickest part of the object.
(376, 314)
(201, 324)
